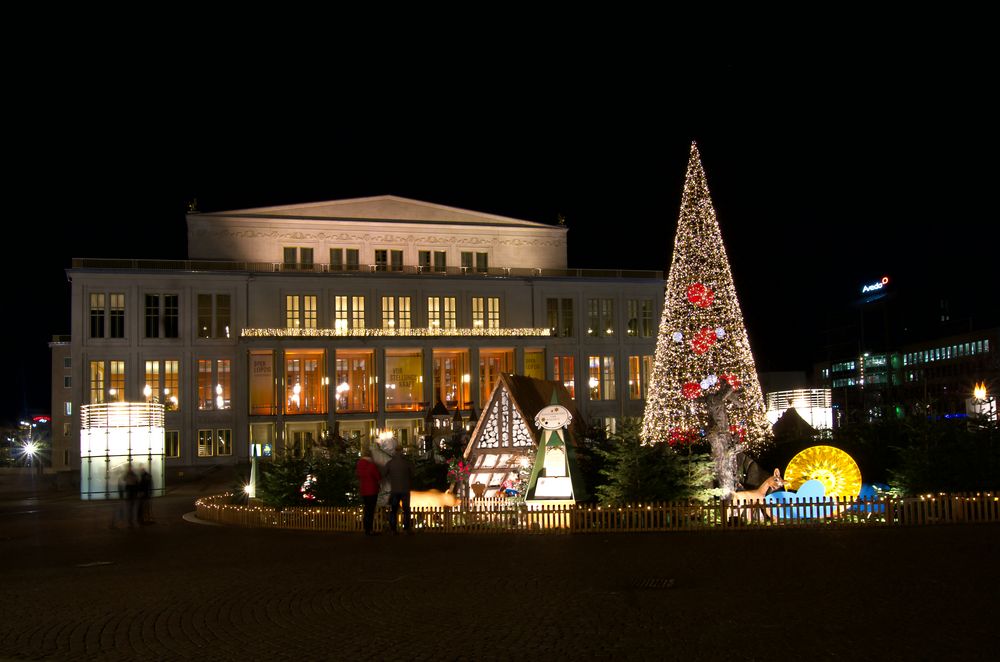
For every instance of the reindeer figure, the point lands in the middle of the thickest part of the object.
(748, 501)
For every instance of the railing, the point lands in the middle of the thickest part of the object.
(351, 270)
(501, 516)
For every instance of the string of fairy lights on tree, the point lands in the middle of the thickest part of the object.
(702, 343)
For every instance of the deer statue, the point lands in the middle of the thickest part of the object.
(749, 500)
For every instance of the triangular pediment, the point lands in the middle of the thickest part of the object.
(389, 208)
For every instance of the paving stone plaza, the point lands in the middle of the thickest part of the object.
(75, 589)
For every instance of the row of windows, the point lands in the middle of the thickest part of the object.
(845, 366)
(396, 312)
(955, 351)
(384, 259)
(210, 442)
(601, 317)
(163, 384)
(305, 383)
(161, 315)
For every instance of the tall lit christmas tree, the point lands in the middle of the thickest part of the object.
(703, 358)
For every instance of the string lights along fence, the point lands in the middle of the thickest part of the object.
(500, 516)
(112, 436)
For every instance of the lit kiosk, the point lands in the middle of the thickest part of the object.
(504, 442)
(981, 406)
(111, 436)
(554, 476)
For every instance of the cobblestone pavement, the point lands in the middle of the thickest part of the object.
(72, 588)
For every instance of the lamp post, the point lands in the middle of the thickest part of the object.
(981, 405)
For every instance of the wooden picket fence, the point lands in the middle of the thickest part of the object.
(501, 516)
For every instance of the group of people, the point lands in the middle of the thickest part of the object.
(135, 488)
(399, 472)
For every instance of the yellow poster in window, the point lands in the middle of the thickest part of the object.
(534, 364)
(262, 383)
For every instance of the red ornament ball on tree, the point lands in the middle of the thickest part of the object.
(691, 390)
(700, 295)
(733, 380)
(703, 340)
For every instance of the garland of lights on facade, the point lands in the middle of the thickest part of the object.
(702, 342)
(417, 332)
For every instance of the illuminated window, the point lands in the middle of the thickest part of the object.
(68, 408)
(293, 311)
(433, 312)
(116, 385)
(304, 372)
(478, 313)
(357, 312)
(340, 313)
(151, 389)
(214, 316)
(205, 445)
(441, 312)
(214, 384)
(97, 382)
(404, 380)
(534, 363)
(355, 381)
(560, 317)
(564, 370)
(452, 378)
(224, 442)
(172, 443)
(396, 312)
(492, 362)
(206, 398)
(300, 311)
(492, 313)
(639, 369)
(600, 318)
(171, 385)
(601, 378)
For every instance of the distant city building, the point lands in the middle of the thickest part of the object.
(934, 376)
(286, 324)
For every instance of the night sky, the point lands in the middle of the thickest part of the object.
(825, 172)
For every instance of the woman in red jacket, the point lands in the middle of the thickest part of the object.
(368, 484)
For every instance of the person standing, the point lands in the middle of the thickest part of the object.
(368, 484)
(131, 494)
(400, 475)
(145, 494)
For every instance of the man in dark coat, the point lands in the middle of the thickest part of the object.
(400, 473)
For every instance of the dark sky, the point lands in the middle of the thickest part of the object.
(826, 171)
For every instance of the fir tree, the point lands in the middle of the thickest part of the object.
(702, 343)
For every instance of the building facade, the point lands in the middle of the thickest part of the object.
(288, 325)
(934, 376)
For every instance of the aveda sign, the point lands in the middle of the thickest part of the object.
(877, 285)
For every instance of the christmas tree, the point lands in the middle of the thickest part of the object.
(703, 361)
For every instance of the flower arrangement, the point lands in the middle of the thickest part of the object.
(458, 470)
